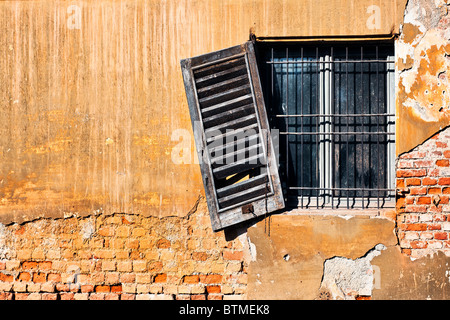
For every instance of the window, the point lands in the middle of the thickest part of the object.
(334, 108)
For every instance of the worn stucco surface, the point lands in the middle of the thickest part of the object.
(91, 94)
(328, 257)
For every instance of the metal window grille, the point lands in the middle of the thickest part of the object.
(334, 107)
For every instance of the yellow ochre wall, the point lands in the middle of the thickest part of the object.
(87, 111)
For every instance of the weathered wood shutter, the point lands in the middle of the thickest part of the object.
(232, 136)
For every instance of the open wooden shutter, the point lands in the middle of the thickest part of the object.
(232, 135)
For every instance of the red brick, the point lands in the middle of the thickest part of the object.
(211, 278)
(441, 235)
(423, 163)
(191, 279)
(444, 181)
(198, 297)
(418, 244)
(446, 190)
(24, 276)
(155, 266)
(233, 255)
(413, 182)
(416, 208)
(67, 296)
(116, 288)
(213, 289)
(2, 265)
(413, 155)
(434, 226)
(429, 181)
(423, 200)
(163, 244)
(400, 183)
(411, 173)
(39, 277)
(6, 295)
(418, 190)
(102, 288)
(441, 144)
(416, 227)
(87, 288)
(434, 190)
(447, 153)
(54, 277)
(160, 278)
(30, 265)
(443, 163)
(45, 265)
(199, 256)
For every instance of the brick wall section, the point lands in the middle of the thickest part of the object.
(120, 257)
(423, 191)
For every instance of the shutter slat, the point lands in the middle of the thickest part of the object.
(239, 166)
(241, 153)
(225, 96)
(218, 87)
(240, 197)
(241, 186)
(234, 145)
(221, 76)
(231, 133)
(234, 124)
(237, 158)
(228, 115)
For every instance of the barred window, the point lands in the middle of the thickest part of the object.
(334, 108)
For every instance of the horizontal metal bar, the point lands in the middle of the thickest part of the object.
(330, 62)
(336, 133)
(341, 189)
(334, 115)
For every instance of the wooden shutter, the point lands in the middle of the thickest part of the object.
(232, 136)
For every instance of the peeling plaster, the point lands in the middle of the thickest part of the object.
(422, 69)
(347, 279)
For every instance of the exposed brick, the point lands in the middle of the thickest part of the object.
(160, 278)
(116, 288)
(434, 190)
(39, 277)
(442, 163)
(191, 279)
(411, 173)
(423, 200)
(102, 288)
(413, 182)
(211, 278)
(426, 181)
(233, 255)
(416, 227)
(30, 265)
(418, 190)
(441, 235)
(24, 276)
(444, 181)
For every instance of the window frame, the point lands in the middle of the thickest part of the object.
(325, 152)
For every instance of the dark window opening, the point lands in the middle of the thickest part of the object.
(334, 108)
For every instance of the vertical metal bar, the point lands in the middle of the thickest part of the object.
(317, 126)
(362, 130)
(287, 119)
(378, 130)
(301, 125)
(333, 164)
(347, 118)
